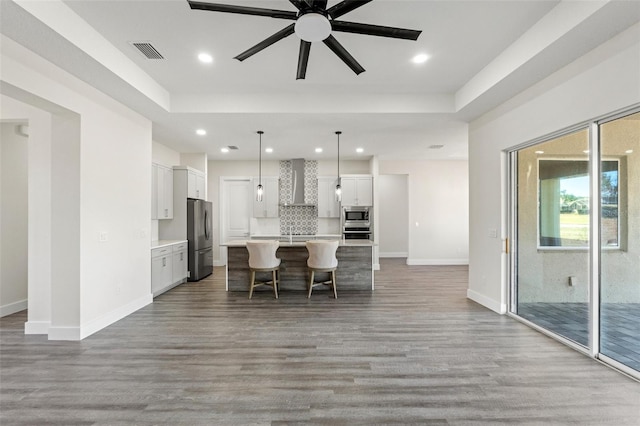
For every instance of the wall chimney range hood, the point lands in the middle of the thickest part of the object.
(296, 197)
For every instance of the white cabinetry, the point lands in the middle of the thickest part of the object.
(161, 269)
(195, 184)
(161, 192)
(268, 207)
(168, 266)
(357, 190)
(180, 262)
(327, 204)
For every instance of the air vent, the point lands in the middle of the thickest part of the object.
(435, 146)
(232, 147)
(147, 49)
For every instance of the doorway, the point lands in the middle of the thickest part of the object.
(235, 210)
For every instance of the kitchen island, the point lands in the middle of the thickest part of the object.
(355, 266)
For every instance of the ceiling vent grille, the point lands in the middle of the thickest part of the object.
(147, 49)
(233, 147)
(435, 146)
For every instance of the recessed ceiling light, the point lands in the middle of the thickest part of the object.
(268, 150)
(205, 58)
(420, 58)
(201, 132)
(359, 150)
(539, 152)
(629, 151)
(224, 150)
(318, 150)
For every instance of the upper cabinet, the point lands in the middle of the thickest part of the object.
(268, 207)
(161, 192)
(357, 190)
(328, 206)
(195, 184)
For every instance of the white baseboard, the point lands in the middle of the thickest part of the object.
(12, 308)
(219, 263)
(495, 306)
(437, 262)
(376, 266)
(64, 333)
(79, 333)
(113, 316)
(37, 327)
(393, 254)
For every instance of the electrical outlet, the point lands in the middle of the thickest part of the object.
(103, 236)
(573, 281)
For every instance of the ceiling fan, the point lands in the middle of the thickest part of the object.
(313, 23)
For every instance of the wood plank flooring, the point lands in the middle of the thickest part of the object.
(415, 351)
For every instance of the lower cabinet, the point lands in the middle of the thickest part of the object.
(168, 267)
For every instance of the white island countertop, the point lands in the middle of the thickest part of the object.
(343, 243)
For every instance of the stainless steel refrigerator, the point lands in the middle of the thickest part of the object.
(199, 220)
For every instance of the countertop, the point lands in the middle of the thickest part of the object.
(164, 243)
(343, 243)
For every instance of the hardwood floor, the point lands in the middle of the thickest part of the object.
(415, 351)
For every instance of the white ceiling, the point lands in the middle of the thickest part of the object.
(481, 54)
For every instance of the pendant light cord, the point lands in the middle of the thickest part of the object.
(338, 133)
(260, 132)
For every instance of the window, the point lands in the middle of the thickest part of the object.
(564, 202)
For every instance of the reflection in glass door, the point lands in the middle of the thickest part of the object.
(552, 221)
(620, 248)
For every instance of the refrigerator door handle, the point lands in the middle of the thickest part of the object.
(206, 225)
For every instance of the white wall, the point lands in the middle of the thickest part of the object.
(164, 155)
(438, 210)
(13, 219)
(110, 193)
(603, 81)
(393, 209)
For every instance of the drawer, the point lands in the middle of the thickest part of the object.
(160, 251)
(179, 247)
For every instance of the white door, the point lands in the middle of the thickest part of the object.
(236, 208)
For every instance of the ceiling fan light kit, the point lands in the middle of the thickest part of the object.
(312, 27)
(313, 23)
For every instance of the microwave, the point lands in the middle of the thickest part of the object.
(356, 214)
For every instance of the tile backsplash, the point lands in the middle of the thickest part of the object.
(299, 219)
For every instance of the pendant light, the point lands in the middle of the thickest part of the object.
(338, 187)
(260, 188)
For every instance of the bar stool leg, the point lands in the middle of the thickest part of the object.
(275, 282)
(253, 281)
(311, 284)
(333, 283)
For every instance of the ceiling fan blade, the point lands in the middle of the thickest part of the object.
(303, 59)
(243, 10)
(285, 32)
(375, 30)
(319, 4)
(342, 53)
(345, 7)
(299, 4)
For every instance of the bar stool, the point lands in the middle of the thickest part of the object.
(322, 258)
(262, 258)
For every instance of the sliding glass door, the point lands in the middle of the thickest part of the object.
(553, 235)
(566, 190)
(620, 229)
